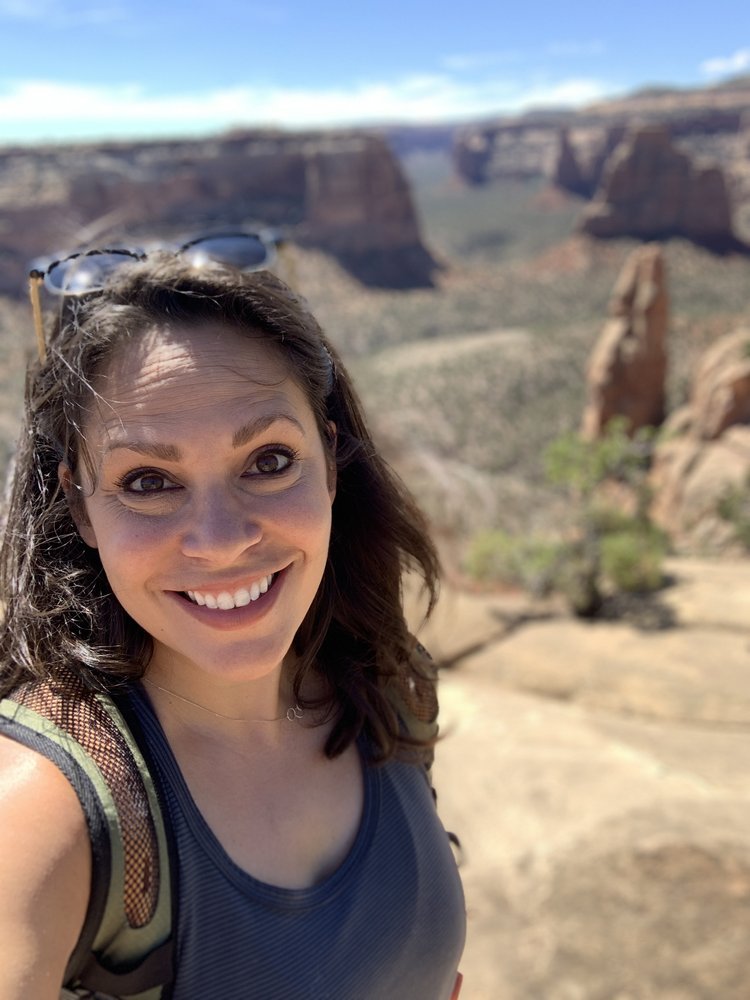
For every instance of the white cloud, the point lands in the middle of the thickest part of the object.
(462, 62)
(566, 93)
(738, 62)
(39, 109)
(471, 61)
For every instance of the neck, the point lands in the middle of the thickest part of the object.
(292, 713)
(212, 701)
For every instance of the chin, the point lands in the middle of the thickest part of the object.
(244, 662)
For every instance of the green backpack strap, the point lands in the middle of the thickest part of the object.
(413, 694)
(125, 949)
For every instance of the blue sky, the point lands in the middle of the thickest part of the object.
(77, 69)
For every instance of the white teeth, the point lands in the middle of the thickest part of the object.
(226, 601)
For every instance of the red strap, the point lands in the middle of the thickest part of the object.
(457, 987)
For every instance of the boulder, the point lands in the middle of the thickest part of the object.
(627, 369)
(705, 450)
(689, 478)
(721, 387)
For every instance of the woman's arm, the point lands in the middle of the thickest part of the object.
(45, 874)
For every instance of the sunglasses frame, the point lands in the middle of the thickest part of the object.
(39, 277)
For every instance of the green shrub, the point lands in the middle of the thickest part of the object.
(604, 519)
(531, 562)
(734, 507)
(608, 549)
(582, 465)
(632, 559)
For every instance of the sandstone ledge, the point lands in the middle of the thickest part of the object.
(607, 854)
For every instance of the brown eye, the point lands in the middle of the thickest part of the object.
(146, 482)
(271, 462)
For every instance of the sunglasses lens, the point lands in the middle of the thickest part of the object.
(85, 272)
(244, 251)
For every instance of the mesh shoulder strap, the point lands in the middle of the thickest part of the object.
(413, 693)
(125, 949)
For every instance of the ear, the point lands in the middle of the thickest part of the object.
(331, 435)
(76, 504)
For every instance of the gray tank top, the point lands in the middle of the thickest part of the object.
(389, 924)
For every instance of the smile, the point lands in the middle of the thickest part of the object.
(226, 600)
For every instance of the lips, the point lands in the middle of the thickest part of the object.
(226, 600)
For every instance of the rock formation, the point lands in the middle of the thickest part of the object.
(708, 122)
(567, 173)
(515, 149)
(721, 389)
(652, 190)
(342, 192)
(358, 207)
(471, 155)
(627, 369)
(706, 446)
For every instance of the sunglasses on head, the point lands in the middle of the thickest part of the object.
(89, 270)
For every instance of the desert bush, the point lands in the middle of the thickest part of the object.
(608, 549)
(618, 551)
(582, 466)
(734, 507)
(632, 558)
(530, 562)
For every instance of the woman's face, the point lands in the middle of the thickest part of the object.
(210, 500)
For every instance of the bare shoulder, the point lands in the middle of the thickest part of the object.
(45, 873)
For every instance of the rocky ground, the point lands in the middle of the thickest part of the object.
(596, 774)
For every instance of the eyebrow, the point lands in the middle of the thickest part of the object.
(241, 437)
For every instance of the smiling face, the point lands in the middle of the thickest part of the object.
(208, 498)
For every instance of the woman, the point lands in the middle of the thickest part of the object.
(200, 525)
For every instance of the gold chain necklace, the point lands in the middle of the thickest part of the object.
(292, 714)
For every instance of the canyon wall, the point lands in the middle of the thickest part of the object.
(657, 164)
(711, 122)
(344, 193)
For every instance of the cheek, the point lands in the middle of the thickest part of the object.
(310, 514)
(122, 540)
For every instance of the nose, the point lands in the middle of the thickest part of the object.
(220, 527)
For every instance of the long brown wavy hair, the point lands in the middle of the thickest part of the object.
(59, 609)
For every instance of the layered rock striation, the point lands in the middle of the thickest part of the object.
(712, 121)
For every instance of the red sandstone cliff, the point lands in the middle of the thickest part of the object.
(652, 190)
(342, 192)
